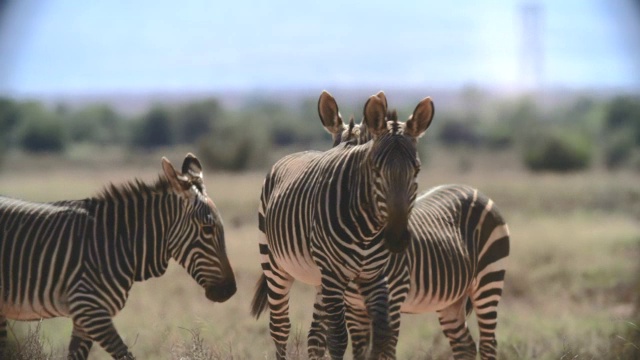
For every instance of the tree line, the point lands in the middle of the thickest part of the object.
(561, 138)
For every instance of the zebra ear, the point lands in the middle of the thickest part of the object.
(178, 182)
(191, 167)
(329, 114)
(382, 97)
(421, 118)
(374, 114)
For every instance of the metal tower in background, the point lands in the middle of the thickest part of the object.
(531, 51)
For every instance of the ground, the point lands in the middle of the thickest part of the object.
(570, 288)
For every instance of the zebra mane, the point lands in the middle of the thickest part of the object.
(392, 116)
(134, 188)
(350, 134)
(352, 124)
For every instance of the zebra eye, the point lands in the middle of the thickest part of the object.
(208, 229)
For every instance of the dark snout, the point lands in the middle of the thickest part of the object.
(221, 292)
(396, 232)
(397, 238)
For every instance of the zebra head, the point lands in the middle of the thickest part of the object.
(394, 164)
(199, 244)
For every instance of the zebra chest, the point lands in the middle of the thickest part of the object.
(349, 258)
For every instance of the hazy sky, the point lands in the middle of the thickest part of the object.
(75, 46)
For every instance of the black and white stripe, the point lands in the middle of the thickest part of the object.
(79, 259)
(455, 264)
(332, 217)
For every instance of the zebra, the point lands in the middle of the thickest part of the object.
(80, 258)
(456, 263)
(331, 217)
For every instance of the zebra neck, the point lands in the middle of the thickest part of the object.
(357, 186)
(132, 233)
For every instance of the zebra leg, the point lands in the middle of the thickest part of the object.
(80, 344)
(279, 322)
(317, 338)
(485, 303)
(377, 300)
(453, 321)
(3, 336)
(333, 303)
(98, 326)
(358, 322)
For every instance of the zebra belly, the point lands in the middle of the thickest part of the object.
(417, 306)
(301, 268)
(434, 295)
(34, 310)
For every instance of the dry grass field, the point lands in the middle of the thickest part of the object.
(571, 288)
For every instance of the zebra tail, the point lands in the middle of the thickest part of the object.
(260, 299)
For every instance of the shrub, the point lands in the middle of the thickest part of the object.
(31, 347)
(96, 124)
(9, 117)
(197, 119)
(43, 135)
(455, 132)
(624, 114)
(155, 129)
(558, 152)
(618, 149)
(234, 148)
(621, 132)
(498, 137)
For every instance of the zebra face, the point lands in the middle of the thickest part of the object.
(200, 247)
(209, 264)
(395, 165)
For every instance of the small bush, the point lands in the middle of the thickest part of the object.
(498, 137)
(455, 132)
(155, 129)
(234, 154)
(618, 149)
(30, 347)
(558, 152)
(196, 349)
(43, 135)
(624, 114)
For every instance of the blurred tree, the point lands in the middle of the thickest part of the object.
(98, 124)
(197, 119)
(558, 150)
(9, 118)
(240, 143)
(455, 132)
(155, 129)
(624, 113)
(621, 131)
(40, 130)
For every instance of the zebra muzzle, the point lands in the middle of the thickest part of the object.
(221, 292)
(396, 232)
(397, 240)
